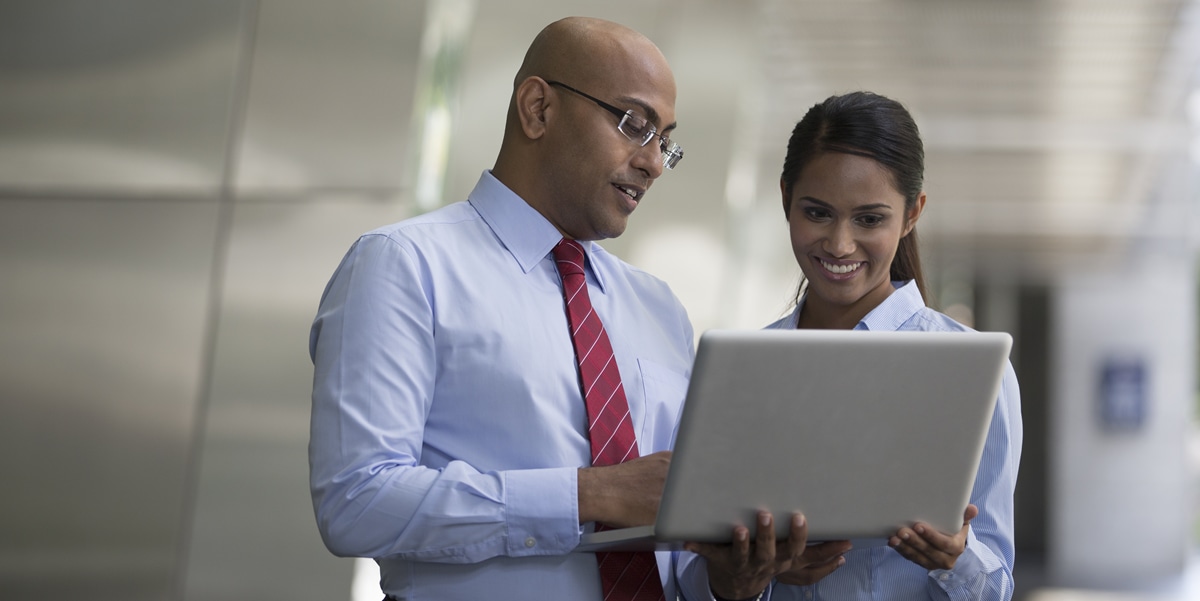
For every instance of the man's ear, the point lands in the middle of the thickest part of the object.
(532, 100)
(911, 216)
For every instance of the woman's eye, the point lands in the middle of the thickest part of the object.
(816, 214)
(870, 220)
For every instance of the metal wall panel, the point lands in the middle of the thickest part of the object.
(254, 535)
(122, 94)
(331, 95)
(114, 122)
(327, 116)
(102, 329)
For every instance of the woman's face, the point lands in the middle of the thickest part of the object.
(846, 219)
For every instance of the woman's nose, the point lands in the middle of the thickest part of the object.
(840, 242)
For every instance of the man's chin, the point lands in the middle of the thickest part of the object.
(609, 233)
(611, 229)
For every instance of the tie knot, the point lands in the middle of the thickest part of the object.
(568, 257)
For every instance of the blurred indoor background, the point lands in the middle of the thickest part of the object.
(178, 180)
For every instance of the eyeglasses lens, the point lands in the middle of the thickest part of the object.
(638, 129)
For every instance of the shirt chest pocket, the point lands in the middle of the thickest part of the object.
(664, 390)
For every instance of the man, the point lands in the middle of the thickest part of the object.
(450, 434)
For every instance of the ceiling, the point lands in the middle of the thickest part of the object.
(1054, 129)
(1049, 125)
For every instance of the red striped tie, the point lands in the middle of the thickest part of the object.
(624, 576)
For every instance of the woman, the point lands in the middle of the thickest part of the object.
(852, 193)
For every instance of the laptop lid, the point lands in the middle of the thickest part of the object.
(862, 431)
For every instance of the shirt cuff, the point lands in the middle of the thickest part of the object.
(692, 576)
(966, 567)
(542, 511)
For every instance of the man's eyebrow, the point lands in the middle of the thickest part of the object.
(649, 111)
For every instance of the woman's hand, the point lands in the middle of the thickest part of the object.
(929, 548)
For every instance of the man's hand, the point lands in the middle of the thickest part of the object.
(741, 570)
(623, 495)
(817, 562)
(931, 549)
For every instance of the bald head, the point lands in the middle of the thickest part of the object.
(562, 151)
(600, 55)
(586, 48)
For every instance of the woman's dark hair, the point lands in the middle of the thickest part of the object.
(872, 126)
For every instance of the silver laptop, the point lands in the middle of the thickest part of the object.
(862, 431)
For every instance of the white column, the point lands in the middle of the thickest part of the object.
(1119, 489)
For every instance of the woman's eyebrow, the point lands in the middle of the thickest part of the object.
(870, 207)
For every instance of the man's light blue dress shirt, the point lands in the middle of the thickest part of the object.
(984, 571)
(448, 422)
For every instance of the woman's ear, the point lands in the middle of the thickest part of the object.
(532, 104)
(787, 202)
(912, 215)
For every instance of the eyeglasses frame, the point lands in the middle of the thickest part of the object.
(672, 153)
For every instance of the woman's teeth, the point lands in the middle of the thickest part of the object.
(840, 268)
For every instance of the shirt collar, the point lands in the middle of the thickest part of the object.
(895, 310)
(524, 232)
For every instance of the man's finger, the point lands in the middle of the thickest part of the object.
(822, 552)
(826, 568)
(765, 537)
(798, 538)
(813, 573)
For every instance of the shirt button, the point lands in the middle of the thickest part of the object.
(944, 577)
(530, 542)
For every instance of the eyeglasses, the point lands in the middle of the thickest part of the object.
(636, 128)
